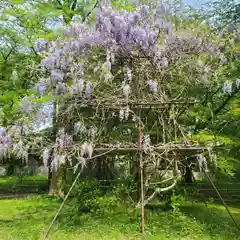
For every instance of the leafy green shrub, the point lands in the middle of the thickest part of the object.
(176, 200)
(91, 196)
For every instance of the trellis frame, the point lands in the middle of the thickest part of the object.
(163, 148)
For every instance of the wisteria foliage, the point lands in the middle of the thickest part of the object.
(123, 34)
(124, 57)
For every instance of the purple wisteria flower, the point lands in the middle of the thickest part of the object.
(49, 62)
(61, 88)
(46, 157)
(139, 35)
(8, 141)
(126, 90)
(57, 76)
(223, 59)
(164, 62)
(42, 45)
(3, 151)
(134, 18)
(41, 87)
(151, 38)
(55, 162)
(79, 127)
(75, 29)
(92, 132)
(67, 31)
(144, 10)
(2, 132)
(122, 28)
(75, 45)
(129, 74)
(78, 87)
(238, 83)
(159, 24)
(153, 86)
(5, 143)
(89, 90)
(121, 32)
(80, 68)
(227, 87)
(26, 105)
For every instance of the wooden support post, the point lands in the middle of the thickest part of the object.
(141, 176)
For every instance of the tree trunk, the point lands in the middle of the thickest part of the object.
(53, 184)
(57, 183)
(55, 177)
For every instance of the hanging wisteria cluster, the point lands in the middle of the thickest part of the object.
(5, 143)
(12, 143)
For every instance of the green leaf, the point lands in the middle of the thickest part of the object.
(10, 12)
(48, 36)
(3, 18)
(45, 99)
(16, 2)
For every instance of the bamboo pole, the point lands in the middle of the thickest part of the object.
(141, 177)
(223, 202)
(67, 195)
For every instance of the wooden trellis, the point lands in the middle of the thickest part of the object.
(162, 148)
(173, 149)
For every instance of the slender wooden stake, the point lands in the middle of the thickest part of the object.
(69, 191)
(62, 204)
(141, 176)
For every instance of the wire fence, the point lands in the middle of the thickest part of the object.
(201, 191)
(23, 187)
(204, 191)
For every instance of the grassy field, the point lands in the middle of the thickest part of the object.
(28, 219)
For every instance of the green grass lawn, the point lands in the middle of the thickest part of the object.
(29, 218)
(26, 179)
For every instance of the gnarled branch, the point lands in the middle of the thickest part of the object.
(157, 191)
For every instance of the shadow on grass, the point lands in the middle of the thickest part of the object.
(3, 221)
(164, 225)
(215, 221)
(193, 222)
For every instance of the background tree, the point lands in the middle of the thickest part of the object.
(217, 115)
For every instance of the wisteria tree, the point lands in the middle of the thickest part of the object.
(113, 69)
(121, 86)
